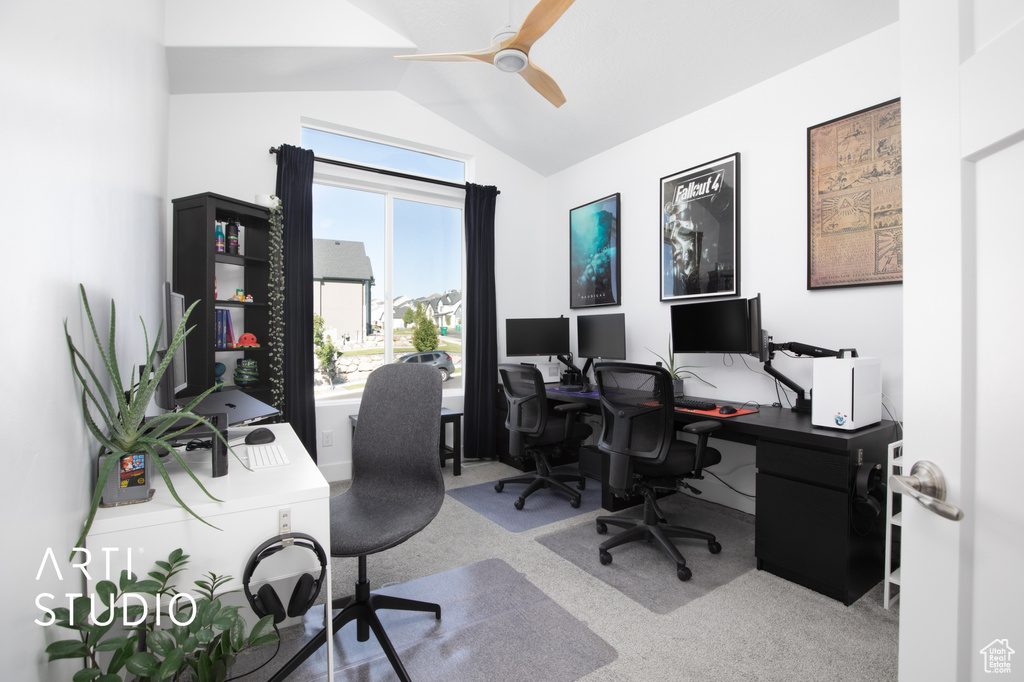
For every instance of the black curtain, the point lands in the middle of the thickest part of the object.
(480, 352)
(295, 189)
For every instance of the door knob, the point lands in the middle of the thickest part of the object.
(927, 485)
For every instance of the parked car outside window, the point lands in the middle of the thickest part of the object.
(437, 358)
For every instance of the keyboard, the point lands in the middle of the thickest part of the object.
(692, 404)
(264, 456)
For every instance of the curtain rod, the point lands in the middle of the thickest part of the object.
(384, 171)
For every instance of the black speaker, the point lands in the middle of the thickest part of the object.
(266, 602)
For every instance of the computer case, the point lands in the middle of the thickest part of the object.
(846, 393)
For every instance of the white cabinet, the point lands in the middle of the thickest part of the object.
(247, 516)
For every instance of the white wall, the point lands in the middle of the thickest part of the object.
(220, 143)
(83, 126)
(767, 124)
(89, 176)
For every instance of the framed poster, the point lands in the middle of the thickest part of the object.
(594, 275)
(855, 199)
(700, 231)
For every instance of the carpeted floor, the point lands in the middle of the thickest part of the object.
(754, 627)
(642, 572)
(489, 612)
(541, 508)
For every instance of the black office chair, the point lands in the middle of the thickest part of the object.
(529, 424)
(644, 455)
(397, 489)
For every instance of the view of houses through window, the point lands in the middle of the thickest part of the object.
(387, 265)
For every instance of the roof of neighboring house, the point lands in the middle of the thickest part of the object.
(451, 297)
(436, 304)
(340, 261)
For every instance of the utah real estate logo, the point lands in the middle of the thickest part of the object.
(997, 656)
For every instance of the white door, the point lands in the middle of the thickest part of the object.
(962, 599)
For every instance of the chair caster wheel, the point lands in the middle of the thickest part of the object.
(582, 485)
(574, 503)
(498, 487)
(714, 547)
(683, 573)
(602, 528)
(606, 558)
(518, 504)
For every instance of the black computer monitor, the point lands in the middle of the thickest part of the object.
(602, 336)
(536, 336)
(714, 327)
(758, 336)
(175, 378)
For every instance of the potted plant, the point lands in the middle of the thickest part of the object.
(679, 373)
(115, 415)
(197, 636)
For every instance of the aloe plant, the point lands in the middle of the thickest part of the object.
(682, 371)
(115, 416)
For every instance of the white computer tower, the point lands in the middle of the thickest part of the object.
(846, 392)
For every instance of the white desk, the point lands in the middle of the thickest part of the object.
(247, 517)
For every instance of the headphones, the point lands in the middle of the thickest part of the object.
(869, 477)
(304, 594)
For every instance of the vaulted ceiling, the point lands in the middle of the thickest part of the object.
(625, 66)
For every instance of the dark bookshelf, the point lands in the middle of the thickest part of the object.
(196, 268)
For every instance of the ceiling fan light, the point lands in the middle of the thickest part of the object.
(511, 60)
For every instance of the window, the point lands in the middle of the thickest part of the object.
(387, 261)
(380, 155)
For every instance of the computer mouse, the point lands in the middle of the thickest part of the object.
(726, 409)
(259, 436)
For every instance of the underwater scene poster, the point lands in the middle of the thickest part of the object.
(594, 275)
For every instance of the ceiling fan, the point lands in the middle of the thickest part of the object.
(510, 50)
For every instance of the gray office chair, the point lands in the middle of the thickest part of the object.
(397, 489)
(529, 424)
(644, 456)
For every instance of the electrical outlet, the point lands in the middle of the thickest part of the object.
(327, 438)
(284, 521)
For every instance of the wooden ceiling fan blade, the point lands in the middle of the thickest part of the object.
(485, 55)
(541, 18)
(540, 81)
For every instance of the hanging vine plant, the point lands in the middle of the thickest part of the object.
(276, 301)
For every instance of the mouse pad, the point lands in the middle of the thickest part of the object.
(714, 413)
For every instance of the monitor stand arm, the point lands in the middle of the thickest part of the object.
(802, 403)
(586, 369)
(572, 374)
(567, 361)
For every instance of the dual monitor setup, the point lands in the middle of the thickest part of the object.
(598, 336)
(726, 326)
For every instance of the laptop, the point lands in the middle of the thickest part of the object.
(240, 407)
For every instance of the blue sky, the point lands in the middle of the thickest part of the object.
(427, 238)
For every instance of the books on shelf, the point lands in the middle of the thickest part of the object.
(224, 334)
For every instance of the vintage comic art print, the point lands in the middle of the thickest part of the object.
(594, 265)
(855, 199)
(700, 231)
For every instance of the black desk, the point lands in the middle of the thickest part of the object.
(806, 527)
